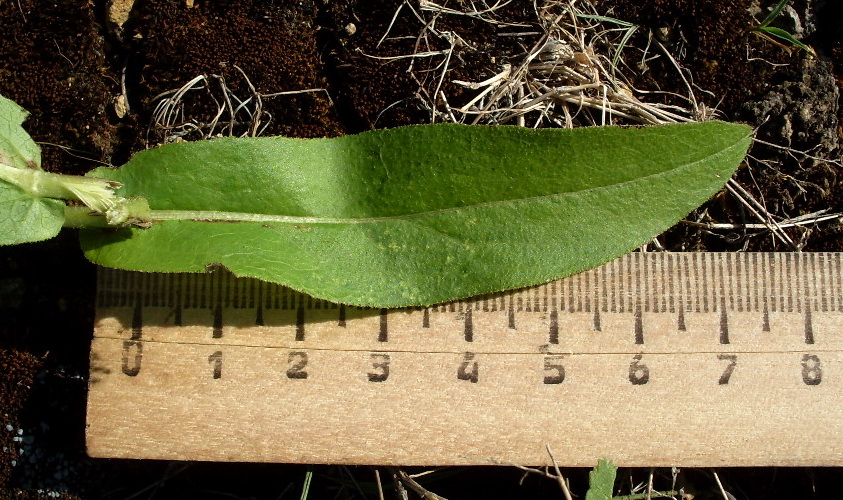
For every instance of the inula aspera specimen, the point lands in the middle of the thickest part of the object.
(387, 218)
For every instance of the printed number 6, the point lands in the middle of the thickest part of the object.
(639, 374)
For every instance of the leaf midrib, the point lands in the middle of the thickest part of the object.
(234, 217)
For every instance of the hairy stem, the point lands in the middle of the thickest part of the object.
(80, 217)
(98, 194)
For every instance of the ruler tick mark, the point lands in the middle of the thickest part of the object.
(217, 328)
(341, 320)
(554, 326)
(724, 322)
(469, 326)
(809, 327)
(137, 320)
(135, 342)
(259, 315)
(639, 324)
(765, 318)
(300, 323)
(383, 330)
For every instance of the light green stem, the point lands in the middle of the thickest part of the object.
(36, 182)
(96, 193)
(80, 217)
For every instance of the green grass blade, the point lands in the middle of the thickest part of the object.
(606, 19)
(416, 215)
(785, 36)
(773, 14)
(621, 44)
(305, 489)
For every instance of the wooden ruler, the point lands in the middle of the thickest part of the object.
(654, 359)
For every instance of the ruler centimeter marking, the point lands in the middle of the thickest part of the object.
(701, 275)
(195, 353)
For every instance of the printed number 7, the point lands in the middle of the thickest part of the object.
(727, 373)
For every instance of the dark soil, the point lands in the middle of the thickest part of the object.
(66, 63)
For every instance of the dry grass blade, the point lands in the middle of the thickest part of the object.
(562, 483)
(176, 113)
(571, 76)
(409, 482)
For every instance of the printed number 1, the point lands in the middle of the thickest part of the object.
(216, 359)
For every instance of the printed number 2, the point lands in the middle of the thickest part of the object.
(296, 362)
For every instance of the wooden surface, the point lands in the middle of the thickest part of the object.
(651, 360)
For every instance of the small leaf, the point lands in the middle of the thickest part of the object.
(17, 149)
(785, 36)
(415, 215)
(773, 13)
(601, 481)
(23, 217)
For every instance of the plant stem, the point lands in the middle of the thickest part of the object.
(98, 194)
(80, 217)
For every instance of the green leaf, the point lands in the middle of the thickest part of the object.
(415, 215)
(601, 481)
(24, 217)
(17, 149)
(773, 14)
(785, 36)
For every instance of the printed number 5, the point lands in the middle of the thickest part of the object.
(553, 363)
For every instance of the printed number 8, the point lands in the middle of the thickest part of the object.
(812, 373)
